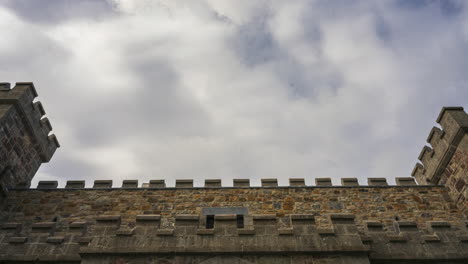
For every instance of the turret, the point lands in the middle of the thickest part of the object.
(25, 139)
(445, 162)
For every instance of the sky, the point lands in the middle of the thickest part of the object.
(222, 89)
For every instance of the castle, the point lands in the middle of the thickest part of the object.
(376, 223)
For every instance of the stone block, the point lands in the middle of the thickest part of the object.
(78, 225)
(149, 217)
(47, 185)
(241, 182)
(323, 231)
(84, 240)
(157, 184)
(187, 217)
(130, 184)
(323, 182)
(165, 232)
(108, 218)
(269, 182)
(260, 217)
(297, 182)
(430, 238)
(213, 183)
(226, 217)
(55, 239)
(377, 182)
(184, 184)
(17, 240)
(102, 184)
(124, 232)
(285, 231)
(75, 185)
(246, 232)
(405, 181)
(43, 226)
(205, 232)
(11, 225)
(349, 182)
(397, 238)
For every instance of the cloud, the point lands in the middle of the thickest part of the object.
(55, 11)
(251, 89)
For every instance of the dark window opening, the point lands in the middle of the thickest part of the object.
(240, 221)
(209, 221)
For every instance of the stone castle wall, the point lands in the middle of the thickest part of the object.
(383, 222)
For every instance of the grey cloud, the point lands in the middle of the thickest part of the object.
(447, 7)
(194, 95)
(56, 11)
(157, 107)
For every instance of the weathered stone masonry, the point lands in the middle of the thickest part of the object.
(376, 223)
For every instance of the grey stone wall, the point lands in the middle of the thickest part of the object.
(25, 142)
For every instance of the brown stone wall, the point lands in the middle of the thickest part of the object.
(285, 224)
(386, 204)
(455, 176)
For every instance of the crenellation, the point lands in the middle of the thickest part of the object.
(349, 182)
(47, 185)
(5, 86)
(405, 181)
(130, 184)
(269, 182)
(426, 155)
(323, 182)
(46, 126)
(157, 184)
(377, 182)
(75, 185)
(185, 183)
(299, 182)
(435, 137)
(102, 184)
(213, 183)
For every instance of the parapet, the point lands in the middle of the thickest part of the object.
(25, 137)
(238, 183)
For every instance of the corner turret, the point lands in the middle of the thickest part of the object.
(25, 139)
(446, 162)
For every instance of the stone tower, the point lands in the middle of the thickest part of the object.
(446, 162)
(25, 142)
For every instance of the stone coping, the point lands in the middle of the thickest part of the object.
(231, 187)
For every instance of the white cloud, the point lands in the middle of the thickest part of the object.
(236, 89)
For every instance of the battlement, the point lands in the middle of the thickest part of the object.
(445, 161)
(25, 136)
(216, 183)
(444, 142)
